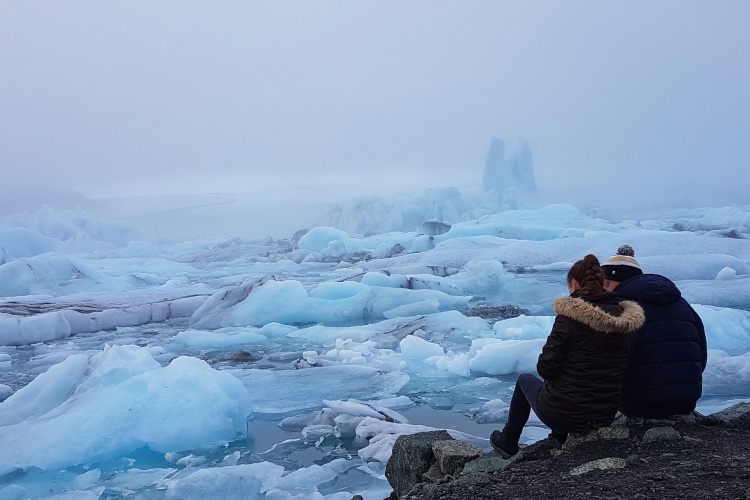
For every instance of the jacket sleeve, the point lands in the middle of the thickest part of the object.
(553, 353)
(701, 339)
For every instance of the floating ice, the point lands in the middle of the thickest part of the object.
(86, 410)
(337, 340)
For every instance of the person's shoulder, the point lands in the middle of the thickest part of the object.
(606, 312)
(607, 301)
(647, 279)
(649, 288)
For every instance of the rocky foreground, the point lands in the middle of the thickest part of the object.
(690, 456)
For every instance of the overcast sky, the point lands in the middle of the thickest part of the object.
(153, 97)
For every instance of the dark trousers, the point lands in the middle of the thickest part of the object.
(523, 401)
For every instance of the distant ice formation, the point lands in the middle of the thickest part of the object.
(507, 183)
(510, 179)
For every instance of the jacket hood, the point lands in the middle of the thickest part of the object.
(630, 320)
(649, 288)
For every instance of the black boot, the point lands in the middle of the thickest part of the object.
(560, 437)
(503, 444)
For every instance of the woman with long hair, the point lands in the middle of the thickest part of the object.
(582, 363)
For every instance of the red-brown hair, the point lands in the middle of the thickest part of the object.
(588, 273)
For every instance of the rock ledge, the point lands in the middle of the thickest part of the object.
(686, 456)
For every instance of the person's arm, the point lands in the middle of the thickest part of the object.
(701, 339)
(553, 353)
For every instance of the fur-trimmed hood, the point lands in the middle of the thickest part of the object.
(630, 320)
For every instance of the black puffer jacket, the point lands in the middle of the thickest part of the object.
(665, 376)
(584, 360)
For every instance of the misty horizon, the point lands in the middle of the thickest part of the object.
(623, 103)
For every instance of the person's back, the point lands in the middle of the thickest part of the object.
(665, 374)
(585, 358)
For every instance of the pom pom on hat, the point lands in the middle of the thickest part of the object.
(622, 266)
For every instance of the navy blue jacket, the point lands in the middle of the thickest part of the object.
(665, 374)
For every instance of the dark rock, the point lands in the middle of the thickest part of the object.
(452, 455)
(433, 474)
(434, 227)
(736, 416)
(297, 236)
(601, 434)
(398, 248)
(469, 485)
(487, 462)
(685, 456)
(661, 434)
(601, 464)
(733, 233)
(241, 356)
(411, 457)
(688, 418)
(495, 312)
(536, 451)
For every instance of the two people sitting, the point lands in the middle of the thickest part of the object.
(622, 340)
